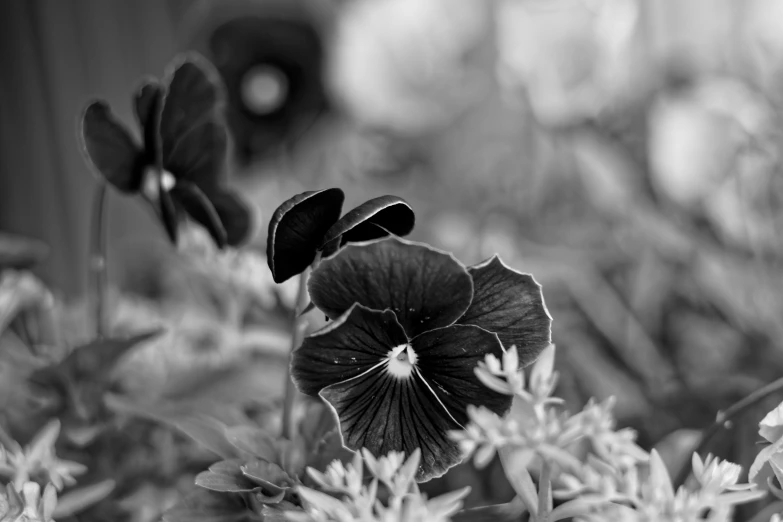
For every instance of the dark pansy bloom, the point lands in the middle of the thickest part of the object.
(410, 325)
(310, 223)
(181, 161)
(270, 55)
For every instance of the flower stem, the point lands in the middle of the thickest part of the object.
(297, 334)
(722, 421)
(98, 265)
(545, 491)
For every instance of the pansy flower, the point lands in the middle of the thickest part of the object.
(180, 163)
(309, 224)
(410, 325)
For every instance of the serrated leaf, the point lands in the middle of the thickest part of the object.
(297, 230)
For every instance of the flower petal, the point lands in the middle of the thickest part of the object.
(383, 413)
(108, 145)
(235, 215)
(426, 288)
(198, 206)
(148, 104)
(348, 347)
(193, 131)
(447, 358)
(510, 304)
(378, 217)
(297, 229)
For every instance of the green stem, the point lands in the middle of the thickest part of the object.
(98, 264)
(722, 421)
(545, 492)
(297, 335)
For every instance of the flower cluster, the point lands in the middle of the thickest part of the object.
(357, 501)
(595, 472)
(38, 459)
(27, 505)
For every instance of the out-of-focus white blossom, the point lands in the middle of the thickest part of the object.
(572, 57)
(38, 458)
(715, 500)
(702, 136)
(403, 64)
(27, 504)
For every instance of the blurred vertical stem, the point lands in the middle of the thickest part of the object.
(297, 335)
(98, 264)
(723, 421)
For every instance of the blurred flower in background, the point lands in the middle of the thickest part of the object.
(405, 65)
(271, 56)
(571, 58)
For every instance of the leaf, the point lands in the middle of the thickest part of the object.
(269, 476)
(109, 147)
(226, 477)
(253, 441)
(373, 219)
(78, 499)
(207, 431)
(297, 230)
(93, 361)
(19, 253)
(207, 506)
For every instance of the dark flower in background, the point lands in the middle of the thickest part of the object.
(181, 163)
(411, 324)
(310, 222)
(270, 54)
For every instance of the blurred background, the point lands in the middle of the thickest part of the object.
(625, 152)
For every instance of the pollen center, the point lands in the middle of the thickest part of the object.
(402, 359)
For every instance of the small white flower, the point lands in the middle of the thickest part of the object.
(39, 457)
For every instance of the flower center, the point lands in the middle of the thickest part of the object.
(264, 89)
(402, 359)
(150, 182)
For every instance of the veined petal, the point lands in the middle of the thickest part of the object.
(510, 304)
(426, 288)
(235, 215)
(200, 208)
(446, 360)
(193, 132)
(108, 145)
(353, 344)
(375, 218)
(148, 104)
(297, 229)
(384, 413)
